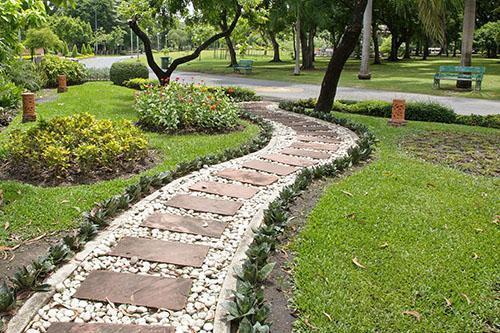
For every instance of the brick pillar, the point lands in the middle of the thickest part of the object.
(398, 113)
(29, 112)
(61, 84)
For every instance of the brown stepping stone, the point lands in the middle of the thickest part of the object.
(206, 205)
(305, 153)
(330, 134)
(309, 128)
(176, 253)
(230, 190)
(250, 177)
(307, 138)
(107, 328)
(290, 160)
(190, 225)
(317, 146)
(281, 170)
(143, 290)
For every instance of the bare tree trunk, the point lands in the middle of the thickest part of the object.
(296, 70)
(307, 50)
(425, 52)
(395, 43)
(467, 38)
(407, 54)
(232, 52)
(364, 70)
(276, 47)
(376, 60)
(339, 58)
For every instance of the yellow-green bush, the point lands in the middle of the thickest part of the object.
(67, 148)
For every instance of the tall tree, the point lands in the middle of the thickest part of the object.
(168, 9)
(467, 38)
(364, 71)
(340, 56)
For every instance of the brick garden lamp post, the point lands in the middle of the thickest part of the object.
(29, 112)
(61, 83)
(398, 113)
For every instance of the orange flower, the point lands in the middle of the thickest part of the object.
(212, 107)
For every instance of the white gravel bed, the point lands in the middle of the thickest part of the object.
(207, 280)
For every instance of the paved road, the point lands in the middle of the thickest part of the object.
(278, 90)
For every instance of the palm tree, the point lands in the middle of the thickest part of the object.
(467, 38)
(364, 70)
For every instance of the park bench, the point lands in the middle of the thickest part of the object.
(459, 73)
(244, 66)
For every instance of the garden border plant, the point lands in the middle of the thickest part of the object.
(248, 309)
(419, 111)
(28, 279)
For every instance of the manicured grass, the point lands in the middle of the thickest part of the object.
(30, 211)
(426, 234)
(406, 76)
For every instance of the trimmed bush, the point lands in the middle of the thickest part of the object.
(74, 51)
(53, 66)
(185, 107)
(67, 148)
(140, 84)
(124, 71)
(492, 120)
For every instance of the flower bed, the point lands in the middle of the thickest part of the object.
(185, 107)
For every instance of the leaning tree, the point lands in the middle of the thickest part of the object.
(208, 10)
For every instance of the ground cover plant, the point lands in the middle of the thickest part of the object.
(186, 107)
(76, 148)
(401, 244)
(30, 211)
(412, 75)
(470, 152)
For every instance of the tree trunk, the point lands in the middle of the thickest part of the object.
(467, 38)
(232, 52)
(425, 52)
(454, 48)
(364, 70)
(407, 54)
(376, 60)
(296, 70)
(307, 49)
(339, 58)
(276, 47)
(393, 56)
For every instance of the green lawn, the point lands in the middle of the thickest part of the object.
(31, 210)
(406, 76)
(427, 235)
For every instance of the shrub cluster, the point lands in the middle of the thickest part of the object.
(10, 94)
(420, 111)
(140, 83)
(237, 94)
(248, 310)
(97, 74)
(123, 71)
(74, 147)
(29, 278)
(185, 107)
(53, 66)
(26, 74)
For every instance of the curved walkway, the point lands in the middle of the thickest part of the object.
(166, 264)
(278, 90)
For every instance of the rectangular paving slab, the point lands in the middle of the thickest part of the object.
(143, 290)
(231, 190)
(305, 153)
(309, 138)
(315, 145)
(246, 176)
(187, 224)
(290, 160)
(106, 328)
(312, 131)
(279, 169)
(176, 253)
(206, 205)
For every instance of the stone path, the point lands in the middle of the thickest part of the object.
(279, 90)
(161, 266)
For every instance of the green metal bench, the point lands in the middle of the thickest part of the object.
(244, 66)
(459, 73)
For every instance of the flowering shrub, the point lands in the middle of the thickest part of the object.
(74, 147)
(185, 107)
(238, 94)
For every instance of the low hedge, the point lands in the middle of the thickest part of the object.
(419, 111)
(123, 71)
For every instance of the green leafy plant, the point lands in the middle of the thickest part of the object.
(97, 74)
(27, 278)
(10, 94)
(59, 253)
(123, 71)
(75, 146)
(74, 51)
(53, 66)
(185, 107)
(26, 74)
(237, 94)
(140, 83)
(7, 298)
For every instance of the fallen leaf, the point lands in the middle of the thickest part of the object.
(6, 225)
(5, 248)
(479, 229)
(347, 193)
(357, 263)
(327, 316)
(466, 298)
(414, 314)
(64, 201)
(448, 302)
(475, 256)
(383, 246)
